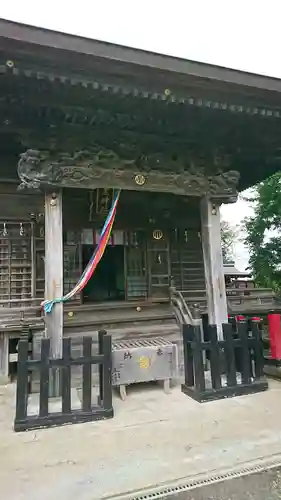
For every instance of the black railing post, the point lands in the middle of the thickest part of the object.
(44, 368)
(242, 330)
(232, 322)
(66, 376)
(101, 335)
(22, 382)
(229, 354)
(188, 337)
(214, 357)
(26, 334)
(106, 372)
(258, 348)
(205, 326)
(87, 375)
(198, 360)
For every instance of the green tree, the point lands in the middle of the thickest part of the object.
(228, 237)
(264, 233)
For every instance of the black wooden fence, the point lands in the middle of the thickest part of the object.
(88, 412)
(236, 364)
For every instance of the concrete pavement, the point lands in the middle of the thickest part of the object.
(154, 438)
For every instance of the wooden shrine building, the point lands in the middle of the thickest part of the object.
(81, 118)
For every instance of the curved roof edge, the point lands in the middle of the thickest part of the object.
(57, 40)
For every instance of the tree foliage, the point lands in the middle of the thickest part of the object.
(264, 233)
(228, 237)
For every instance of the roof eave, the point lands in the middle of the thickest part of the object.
(62, 41)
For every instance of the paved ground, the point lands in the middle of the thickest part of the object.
(154, 438)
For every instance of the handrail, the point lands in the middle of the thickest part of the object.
(178, 311)
(184, 318)
(177, 299)
(180, 306)
(186, 309)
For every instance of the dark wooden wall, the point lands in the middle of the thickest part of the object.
(136, 210)
(19, 205)
(178, 253)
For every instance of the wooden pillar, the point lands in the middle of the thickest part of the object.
(54, 277)
(213, 263)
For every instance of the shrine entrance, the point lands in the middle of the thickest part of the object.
(108, 281)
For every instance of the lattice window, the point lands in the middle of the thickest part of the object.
(39, 255)
(136, 276)
(72, 261)
(15, 261)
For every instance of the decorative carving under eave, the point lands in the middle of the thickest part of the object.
(104, 168)
(35, 169)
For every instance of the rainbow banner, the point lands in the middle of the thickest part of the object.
(47, 305)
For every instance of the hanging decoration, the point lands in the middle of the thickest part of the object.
(47, 305)
(100, 200)
(5, 232)
(103, 200)
(21, 229)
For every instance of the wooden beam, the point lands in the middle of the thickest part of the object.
(104, 168)
(54, 276)
(213, 263)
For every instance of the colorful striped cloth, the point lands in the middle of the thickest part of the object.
(47, 305)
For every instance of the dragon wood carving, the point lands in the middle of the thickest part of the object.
(103, 168)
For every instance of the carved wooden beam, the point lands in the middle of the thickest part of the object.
(104, 168)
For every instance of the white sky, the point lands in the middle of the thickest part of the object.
(240, 34)
(234, 214)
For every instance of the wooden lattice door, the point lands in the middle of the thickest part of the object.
(158, 263)
(135, 266)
